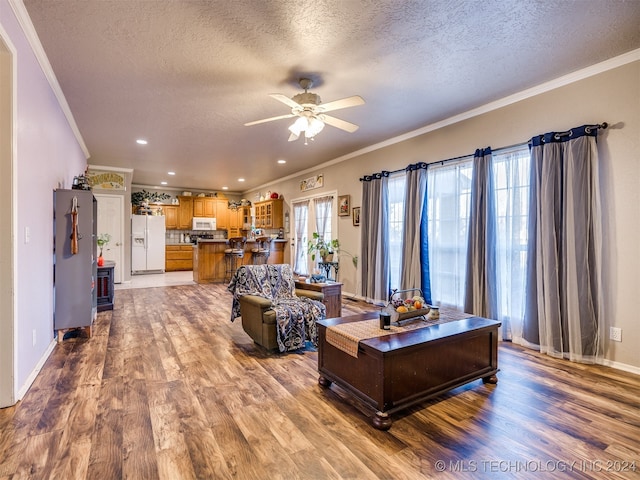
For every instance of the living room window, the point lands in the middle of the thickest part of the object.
(397, 186)
(448, 202)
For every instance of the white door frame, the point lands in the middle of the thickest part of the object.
(9, 218)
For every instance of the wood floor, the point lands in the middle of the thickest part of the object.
(169, 388)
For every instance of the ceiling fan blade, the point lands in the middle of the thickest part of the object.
(343, 103)
(279, 117)
(341, 124)
(284, 99)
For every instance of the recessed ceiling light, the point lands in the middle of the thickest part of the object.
(225, 188)
(163, 183)
(241, 179)
(141, 141)
(171, 173)
(282, 161)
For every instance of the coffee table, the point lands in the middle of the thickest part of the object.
(398, 370)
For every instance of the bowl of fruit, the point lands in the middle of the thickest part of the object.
(403, 305)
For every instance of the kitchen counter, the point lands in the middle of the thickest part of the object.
(208, 258)
(224, 240)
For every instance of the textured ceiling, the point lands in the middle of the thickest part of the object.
(186, 75)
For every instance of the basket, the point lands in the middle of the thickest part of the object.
(398, 317)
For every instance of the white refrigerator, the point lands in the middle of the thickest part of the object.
(147, 243)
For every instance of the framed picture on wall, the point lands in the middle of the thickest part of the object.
(356, 216)
(343, 205)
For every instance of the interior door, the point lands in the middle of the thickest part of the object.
(111, 221)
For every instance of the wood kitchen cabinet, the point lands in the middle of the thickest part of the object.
(185, 213)
(204, 207)
(237, 219)
(269, 214)
(171, 217)
(178, 257)
(222, 213)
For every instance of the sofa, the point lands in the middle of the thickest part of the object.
(274, 313)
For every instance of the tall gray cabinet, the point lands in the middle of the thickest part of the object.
(74, 274)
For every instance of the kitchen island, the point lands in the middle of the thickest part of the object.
(208, 258)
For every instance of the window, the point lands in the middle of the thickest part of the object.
(448, 203)
(312, 214)
(511, 179)
(300, 216)
(397, 186)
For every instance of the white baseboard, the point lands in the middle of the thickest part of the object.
(620, 366)
(32, 376)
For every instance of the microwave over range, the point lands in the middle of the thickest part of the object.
(203, 223)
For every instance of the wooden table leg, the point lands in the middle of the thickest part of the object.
(324, 382)
(381, 421)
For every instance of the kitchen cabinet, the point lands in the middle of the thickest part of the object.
(185, 213)
(269, 214)
(238, 217)
(204, 207)
(222, 213)
(178, 257)
(171, 217)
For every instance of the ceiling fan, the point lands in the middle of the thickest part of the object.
(311, 112)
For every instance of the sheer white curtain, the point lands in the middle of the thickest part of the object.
(448, 204)
(511, 181)
(396, 199)
(323, 211)
(300, 216)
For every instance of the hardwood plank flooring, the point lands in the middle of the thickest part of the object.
(169, 388)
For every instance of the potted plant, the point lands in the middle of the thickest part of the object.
(103, 239)
(324, 249)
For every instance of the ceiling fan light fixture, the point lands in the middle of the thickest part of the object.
(314, 128)
(300, 125)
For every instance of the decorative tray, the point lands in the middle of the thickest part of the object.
(395, 300)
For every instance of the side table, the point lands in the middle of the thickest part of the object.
(105, 286)
(332, 295)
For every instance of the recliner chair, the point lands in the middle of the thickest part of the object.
(262, 293)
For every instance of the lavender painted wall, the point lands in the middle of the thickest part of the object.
(48, 157)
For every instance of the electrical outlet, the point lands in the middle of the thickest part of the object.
(615, 334)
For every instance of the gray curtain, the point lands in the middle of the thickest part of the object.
(374, 238)
(415, 192)
(564, 313)
(481, 293)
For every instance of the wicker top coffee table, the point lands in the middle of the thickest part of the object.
(402, 368)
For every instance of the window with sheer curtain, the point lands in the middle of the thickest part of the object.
(397, 185)
(448, 203)
(311, 214)
(300, 221)
(511, 171)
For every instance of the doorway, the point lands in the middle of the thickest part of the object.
(8, 221)
(111, 222)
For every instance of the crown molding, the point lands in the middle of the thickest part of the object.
(610, 64)
(32, 37)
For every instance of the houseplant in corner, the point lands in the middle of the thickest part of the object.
(103, 239)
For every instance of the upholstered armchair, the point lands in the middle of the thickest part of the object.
(274, 313)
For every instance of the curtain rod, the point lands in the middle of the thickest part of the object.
(385, 173)
(587, 129)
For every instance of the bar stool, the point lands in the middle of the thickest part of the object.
(261, 251)
(233, 255)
